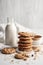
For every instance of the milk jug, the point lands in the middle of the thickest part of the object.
(11, 33)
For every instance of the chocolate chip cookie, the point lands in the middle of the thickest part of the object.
(8, 50)
(24, 34)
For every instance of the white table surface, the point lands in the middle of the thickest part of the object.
(10, 60)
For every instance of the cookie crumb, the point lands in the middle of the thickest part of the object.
(12, 60)
(25, 58)
(32, 55)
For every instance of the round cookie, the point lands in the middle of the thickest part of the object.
(36, 49)
(22, 56)
(8, 50)
(25, 49)
(25, 34)
(19, 43)
(24, 39)
(24, 42)
(19, 56)
(36, 37)
(25, 45)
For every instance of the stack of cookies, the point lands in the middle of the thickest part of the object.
(25, 41)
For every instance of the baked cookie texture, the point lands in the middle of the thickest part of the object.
(25, 41)
(8, 50)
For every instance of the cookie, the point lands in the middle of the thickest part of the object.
(25, 49)
(8, 50)
(22, 56)
(24, 42)
(21, 46)
(29, 47)
(24, 39)
(24, 34)
(36, 37)
(19, 56)
(24, 45)
(36, 49)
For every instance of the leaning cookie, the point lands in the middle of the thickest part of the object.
(8, 50)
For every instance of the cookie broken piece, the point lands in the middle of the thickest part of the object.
(8, 50)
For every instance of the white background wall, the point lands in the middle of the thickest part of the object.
(27, 12)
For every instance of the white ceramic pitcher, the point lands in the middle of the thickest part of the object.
(11, 33)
